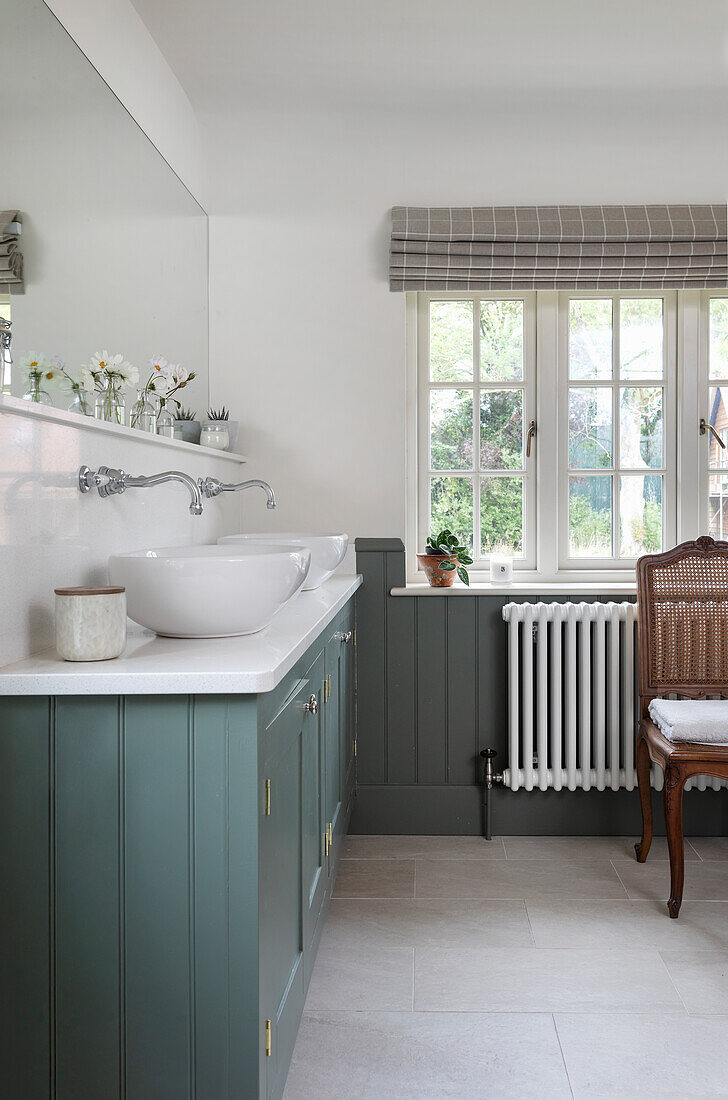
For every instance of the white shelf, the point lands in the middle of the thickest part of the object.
(15, 406)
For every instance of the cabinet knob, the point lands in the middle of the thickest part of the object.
(311, 705)
(346, 637)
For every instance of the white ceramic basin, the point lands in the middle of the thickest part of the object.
(209, 591)
(327, 551)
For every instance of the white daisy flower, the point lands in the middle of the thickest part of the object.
(159, 365)
(34, 363)
(86, 380)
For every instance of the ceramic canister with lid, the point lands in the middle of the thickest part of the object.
(90, 623)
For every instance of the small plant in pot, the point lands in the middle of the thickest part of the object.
(186, 425)
(444, 557)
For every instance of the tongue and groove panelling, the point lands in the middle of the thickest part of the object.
(431, 693)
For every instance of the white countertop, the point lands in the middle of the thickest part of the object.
(179, 666)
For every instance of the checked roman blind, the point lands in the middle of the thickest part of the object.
(559, 247)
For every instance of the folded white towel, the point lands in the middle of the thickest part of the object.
(704, 721)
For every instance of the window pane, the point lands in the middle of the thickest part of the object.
(451, 429)
(590, 338)
(640, 338)
(590, 427)
(718, 353)
(640, 515)
(451, 341)
(501, 515)
(501, 430)
(590, 517)
(718, 417)
(640, 426)
(501, 341)
(451, 505)
(718, 506)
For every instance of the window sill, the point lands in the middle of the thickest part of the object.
(523, 588)
(15, 406)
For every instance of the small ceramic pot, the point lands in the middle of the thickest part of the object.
(187, 430)
(90, 623)
(436, 577)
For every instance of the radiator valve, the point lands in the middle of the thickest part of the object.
(490, 778)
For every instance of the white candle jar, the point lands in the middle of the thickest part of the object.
(501, 569)
(90, 623)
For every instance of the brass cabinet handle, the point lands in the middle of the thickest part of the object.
(706, 427)
(529, 436)
(311, 705)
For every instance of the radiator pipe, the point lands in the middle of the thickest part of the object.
(490, 779)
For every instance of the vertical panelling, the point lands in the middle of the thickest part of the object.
(372, 660)
(26, 912)
(209, 749)
(432, 703)
(88, 901)
(401, 677)
(159, 945)
(462, 682)
(492, 676)
(245, 1026)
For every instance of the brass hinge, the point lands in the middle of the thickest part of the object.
(268, 1039)
(326, 841)
(326, 691)
(355, 637)
(267, 797)
(355, 746)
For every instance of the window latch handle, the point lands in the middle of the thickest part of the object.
(705, 427)
(529, 436)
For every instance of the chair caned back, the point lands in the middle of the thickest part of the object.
(682, 598)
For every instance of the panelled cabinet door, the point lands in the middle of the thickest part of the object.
(347, 715)
(332, 738)
(313, 860)
(281, 906)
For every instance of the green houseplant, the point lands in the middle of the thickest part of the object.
(444, 558)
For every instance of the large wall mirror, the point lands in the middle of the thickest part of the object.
(114, 246)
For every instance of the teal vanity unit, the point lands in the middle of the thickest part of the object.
(166, 862)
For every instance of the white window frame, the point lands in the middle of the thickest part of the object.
(686, 353)
(423, 388)
(668, 471)
(705, 384)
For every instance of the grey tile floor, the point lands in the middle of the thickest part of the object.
(524, 967)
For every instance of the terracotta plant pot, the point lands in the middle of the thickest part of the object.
(436, 577)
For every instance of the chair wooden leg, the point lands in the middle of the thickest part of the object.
(673, 799)
(643, 781)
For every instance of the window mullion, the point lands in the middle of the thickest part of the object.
(477, 542)
(616, 441)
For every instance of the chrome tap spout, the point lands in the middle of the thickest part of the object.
(212, 487)
(110, 482)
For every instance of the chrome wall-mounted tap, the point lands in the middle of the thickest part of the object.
(111, 482)
(211, 487)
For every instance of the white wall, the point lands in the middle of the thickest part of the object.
(51, 535)
(307, 342)
(119, 46)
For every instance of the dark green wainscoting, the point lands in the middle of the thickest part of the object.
(432, 676)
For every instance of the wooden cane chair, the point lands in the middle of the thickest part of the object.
(682, 611)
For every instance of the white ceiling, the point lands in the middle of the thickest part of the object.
(231, 55)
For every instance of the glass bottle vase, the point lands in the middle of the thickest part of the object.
(143, 414)
(36, 394)
(165, 421)
(109, 404)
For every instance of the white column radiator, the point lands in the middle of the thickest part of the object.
(573, 706)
